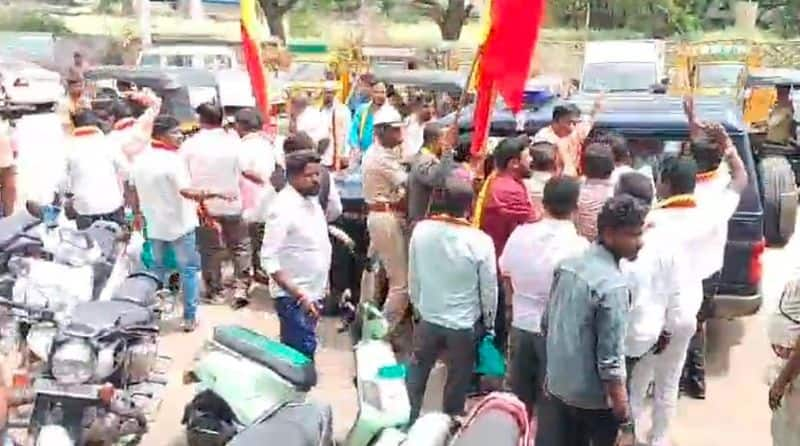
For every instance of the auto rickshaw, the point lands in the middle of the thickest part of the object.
(446, 87)
(716, 68)
(110, 83)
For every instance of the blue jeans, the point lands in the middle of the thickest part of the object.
(188, 259)
(298, 328)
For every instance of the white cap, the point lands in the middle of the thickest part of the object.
(388, 115)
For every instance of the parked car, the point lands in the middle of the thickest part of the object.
(654, 126)
(25, 83)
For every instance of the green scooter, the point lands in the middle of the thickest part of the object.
(250, 386)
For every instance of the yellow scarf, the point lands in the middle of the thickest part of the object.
(477, 213)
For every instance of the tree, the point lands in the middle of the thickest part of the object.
(450, 15)
(275, 10)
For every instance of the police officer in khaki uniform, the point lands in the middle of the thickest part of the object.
(384, 179)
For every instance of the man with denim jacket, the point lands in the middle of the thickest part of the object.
(586, 400)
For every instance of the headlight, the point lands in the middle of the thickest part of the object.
(73, 362)
(40, 339)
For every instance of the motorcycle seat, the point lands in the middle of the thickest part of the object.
(494, 426)
(285, 361)
(296, 424)
(90, 318)
(138, 288)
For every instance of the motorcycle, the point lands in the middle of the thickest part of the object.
(102, 375)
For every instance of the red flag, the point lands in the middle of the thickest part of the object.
(253, 60)
(505, 59)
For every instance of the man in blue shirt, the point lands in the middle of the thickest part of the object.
(362, 127)
(453, 286)
(586, 317)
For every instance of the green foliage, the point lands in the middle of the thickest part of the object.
(31, 21)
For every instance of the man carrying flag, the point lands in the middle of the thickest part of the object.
(510, 30)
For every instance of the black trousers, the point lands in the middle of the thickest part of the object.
(564, 425)
(457, 348)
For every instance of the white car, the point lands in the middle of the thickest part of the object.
(25, 83)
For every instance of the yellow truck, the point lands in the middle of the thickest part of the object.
(714, 68)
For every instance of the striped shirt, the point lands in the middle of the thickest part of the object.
(594, 194)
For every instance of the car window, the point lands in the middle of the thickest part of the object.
(719, 76)
(216, 61)
(179, 60)
(614, 77)
(650, 152)
(150, 60)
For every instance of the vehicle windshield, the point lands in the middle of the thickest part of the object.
(177, 103)
(150, 60)
(719, 75)
(618, 77)
(308, 72)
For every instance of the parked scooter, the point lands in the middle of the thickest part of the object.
(243, 378)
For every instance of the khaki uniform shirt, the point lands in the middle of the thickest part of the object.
(780, 124)
(384, 176)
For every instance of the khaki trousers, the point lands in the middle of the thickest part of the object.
(388, 243)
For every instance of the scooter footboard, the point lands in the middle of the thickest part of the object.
(382, 395)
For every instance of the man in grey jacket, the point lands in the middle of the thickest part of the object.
(429, 170)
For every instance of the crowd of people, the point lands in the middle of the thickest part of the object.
(585, 270)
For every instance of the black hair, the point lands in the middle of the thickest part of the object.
(560, 197)
(249, 119)
(85, 118)
(562, 111)
(543, 156)
(163, 124)
(298, 142)
(507, 150)
(431, 133)
(120, 110)
(462, 152)
(637, 185)
(209, 114)
(706, 153)
(680, 173)
(621, 211)
(619, 146)
(458, 196)
(296, 162)
(598, 161)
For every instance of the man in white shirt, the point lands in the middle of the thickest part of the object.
(413, 139)
(336, 118)
(94, 165)
(654, 279)
(527, 264)
(164, 198)
(258, 155)
(307, 119)
(689, 227)
(297, 252)
(214, 159)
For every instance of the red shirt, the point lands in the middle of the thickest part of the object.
(507, 206)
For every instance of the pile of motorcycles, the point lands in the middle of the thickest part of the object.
(83, 315)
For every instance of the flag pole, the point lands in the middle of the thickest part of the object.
(462, 101)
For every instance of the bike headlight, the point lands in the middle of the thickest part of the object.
(73, 362)
(40, 339)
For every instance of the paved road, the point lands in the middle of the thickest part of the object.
(735, 412)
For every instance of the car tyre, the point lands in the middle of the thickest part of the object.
(780, 199)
